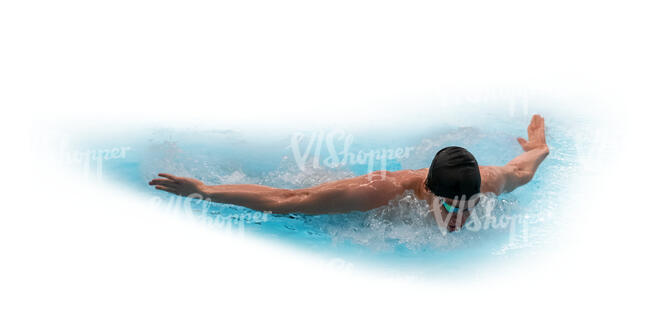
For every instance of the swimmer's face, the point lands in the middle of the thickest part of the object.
(455, 220)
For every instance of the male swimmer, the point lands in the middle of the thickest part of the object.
(451, 185)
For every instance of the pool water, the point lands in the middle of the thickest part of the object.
(399, 235)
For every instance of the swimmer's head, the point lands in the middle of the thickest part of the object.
(453, 173)
(454, 176)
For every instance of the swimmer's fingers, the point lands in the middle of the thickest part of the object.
(536, 134)
(165, 182)
(169, 176)
(526, 145)
(536, 129)
(522, 141)
(534, 124)
(167, 189)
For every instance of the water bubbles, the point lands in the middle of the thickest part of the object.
(526, 218)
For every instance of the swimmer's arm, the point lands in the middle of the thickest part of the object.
(521, 169)
(361, 193)
(516, 173)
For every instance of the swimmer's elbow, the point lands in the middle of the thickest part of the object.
(524, 177)
(305, 201)
(520, 178)
(327, 201)
(516, 177)
(289, 201)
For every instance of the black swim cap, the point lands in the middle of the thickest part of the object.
(454, 172)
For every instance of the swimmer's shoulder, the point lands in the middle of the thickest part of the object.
(410, 174)
(410, 178)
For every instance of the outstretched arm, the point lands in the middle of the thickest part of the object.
(521, 169)
(360, 193)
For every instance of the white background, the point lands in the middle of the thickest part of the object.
(75, 255)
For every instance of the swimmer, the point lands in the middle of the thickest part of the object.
(451, 185)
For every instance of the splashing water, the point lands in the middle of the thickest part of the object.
(504, 225)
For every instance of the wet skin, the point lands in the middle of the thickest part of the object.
(370, 191)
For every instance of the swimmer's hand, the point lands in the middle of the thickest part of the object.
(178, 185)
(536, 135)
(520, 170)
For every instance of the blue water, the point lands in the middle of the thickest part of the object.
(398, 235)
